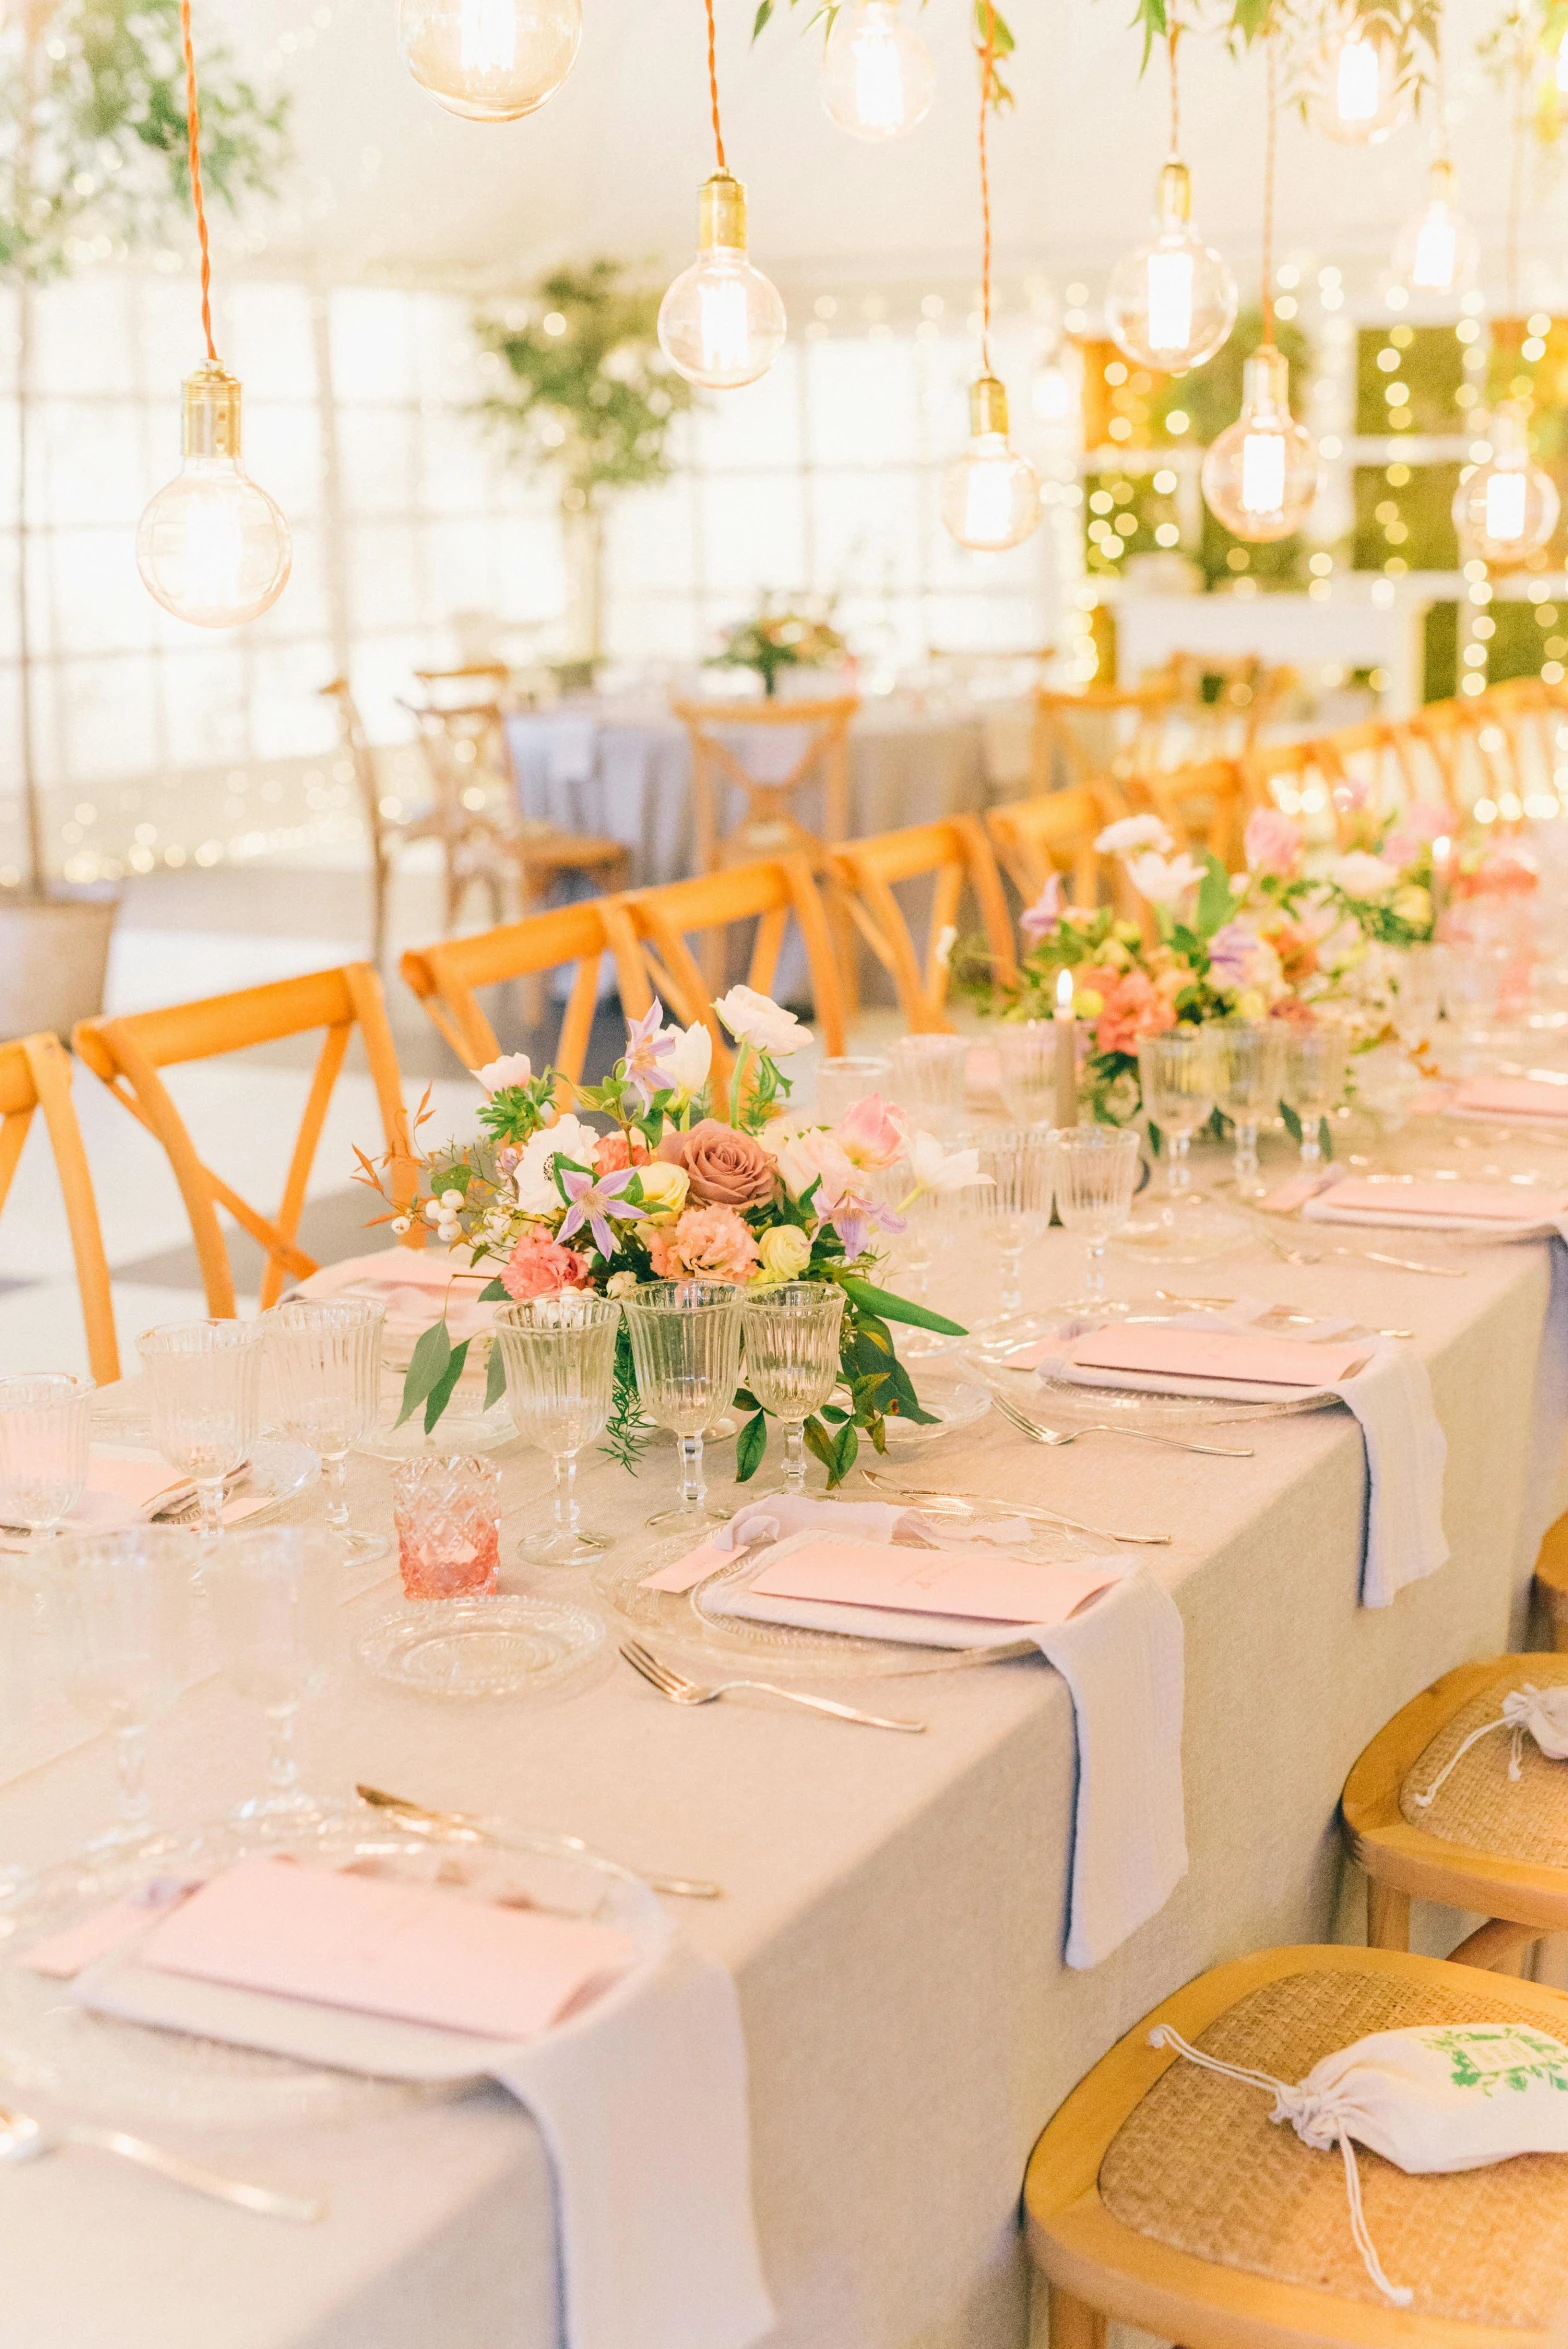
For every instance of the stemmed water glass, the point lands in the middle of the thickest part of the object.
(1010, 1201)
(846, 1078)
(559, 1354)
(792, 1361)
(125, 1605)
(1026, 1065)
(273, 1593)
(685, 1339)
(1417, 994)
(1315, 1064)
(205, 1402)
(928, 1079)
(325, 1357)
(1470, 978)
(44, 1426)
(1180, 1077)
(1094, 1174)
(1251, 1060)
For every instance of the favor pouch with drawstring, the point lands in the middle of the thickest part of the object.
(1542, 1712)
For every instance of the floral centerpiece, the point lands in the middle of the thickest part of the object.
(780, 639)
(681, 1185)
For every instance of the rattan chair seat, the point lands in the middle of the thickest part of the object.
(1523, 1818)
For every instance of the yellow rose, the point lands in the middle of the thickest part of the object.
(664, 1189)
(1088, 1003)
(1114, 957)
(1128, 933)
(785, 1252)
(1413, 905)
(1251, 1006)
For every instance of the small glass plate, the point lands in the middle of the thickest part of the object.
(464, 1426)
(1188, 1231)
(953, 1401)
(674, 1620)
(1060, 1402)
(103, 2067)
(481, 1647)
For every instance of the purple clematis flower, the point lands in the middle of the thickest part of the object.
(1231, 953)
(647, 1049)
(854, 1219)
(594, 1200)
(1041, 919)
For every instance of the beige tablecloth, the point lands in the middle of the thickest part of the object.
(894, 1909)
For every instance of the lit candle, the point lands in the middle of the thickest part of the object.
(1066, 1052)
(1442, 858)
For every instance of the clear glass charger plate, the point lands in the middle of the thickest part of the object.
(1060, 1402)
(1189, 1231)
(953, 1401)
(481, 1647)
(104, 2067)
(669, 1620)
(276, 1472)
(464, 1426)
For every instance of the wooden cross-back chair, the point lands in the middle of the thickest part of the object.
(447, 976)
(1223, 722)
(1516, 732)
(649, 932)
(1055, 832)
(1204, 805)
(954, 856)
(1112, 730)
(1446, 732)
(35, 1073)
(129, 1053)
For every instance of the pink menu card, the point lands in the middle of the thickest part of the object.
(1486, 1202)
(1514, 1096)
(1231, 1354)
(931, 1582)
(421, 1952)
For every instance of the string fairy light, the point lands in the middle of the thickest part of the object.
(211, 547)
(990, 494)
(721, 323)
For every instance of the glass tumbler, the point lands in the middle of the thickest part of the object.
(1026, 1061)
(792, 1364)
(325, 1357)
(928, 1079)
(447, 1510)
(685, 1338)
(1417, 994)
(1009, 1206)
(559, 1354)
(1315, 1064)
(205, 1383)
(1180, 1077)
(125, 1604)
(1251, 1058)
(847, 1078)
(44, 1426)
(1094, 1175)
(273, 1591)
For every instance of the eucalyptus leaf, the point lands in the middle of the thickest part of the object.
(495, 1375)
(891, 1308)
(427, 1365)
(1292, 1121)
(750, 1446)
(441, 1393)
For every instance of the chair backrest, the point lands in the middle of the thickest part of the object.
(1516, 736)
(357, 743)
(649, 930)
(953, 856)
(1203, 804)
(1054, 832)
(1448, 733)
(129, 1053)
(446, 976)
(473, 681)
(35, 1073)
(465, 751)
(769, 826)
(1223, 701)
(1098, 730)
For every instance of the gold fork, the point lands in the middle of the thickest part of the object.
(679, 1690)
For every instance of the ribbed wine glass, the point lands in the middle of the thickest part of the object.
(204, 1377)
(44, 1426)
(125, 1603)
(928, 1079)
(846, 1078)
(1094, 1173)
(1180, 1076)
(559, 1354)
(325, 1357)
(1251, 1060)
(1315, 1064)
(1010, 1203)
(685, 1338)
(274, 1593)
(792, 1365)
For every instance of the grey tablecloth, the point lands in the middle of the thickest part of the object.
(894, 1910)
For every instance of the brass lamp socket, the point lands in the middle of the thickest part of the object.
(212, 412)
(721, 213)
(1266, 381)
(987, 406)
(1175, 191)
(1442, 180)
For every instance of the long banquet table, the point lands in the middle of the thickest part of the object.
(894, 1906)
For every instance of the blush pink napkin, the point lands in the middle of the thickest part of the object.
(932, 1582)
(1484, 1202)
(417, 1951)
(1513, 1096)
(1183, 1353)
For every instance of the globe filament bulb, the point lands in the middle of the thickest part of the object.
(1357, 92)
(1261, 475)
(721, 323)
(1171, 304)
(877, 75)
(1506, 509)
(490, 60)
(1435, 251)
(211, 547)
(990, 495)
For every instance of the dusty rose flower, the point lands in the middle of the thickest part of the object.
(1134, 1007)
(707, 1243)
(617, 1152)
(540, 1267)
(727, 1168)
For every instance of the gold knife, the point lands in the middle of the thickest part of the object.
(472, 1828)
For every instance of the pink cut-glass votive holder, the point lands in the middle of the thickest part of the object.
(447, 1507)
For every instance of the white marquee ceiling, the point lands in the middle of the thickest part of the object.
(386, 183)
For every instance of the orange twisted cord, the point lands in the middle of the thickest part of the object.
(1172, 31)
(713, 88)
(987, 71)
(1268, 194)
(193, 128)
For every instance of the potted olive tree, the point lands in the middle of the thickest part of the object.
(93, 142)
(592, 397)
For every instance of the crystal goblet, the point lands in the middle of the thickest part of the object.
(1026, 1063)
(1094, 1174)
(559, 1354)
(928, 1079)
(1180, 1078)
(325, 1357)
(44, 1427)
(846, 1078)
(273, 1591)
(685, 1338)
(1251, 1062)
(792, 1361)
(125, 1604)
(1315, 1064)
(1010, 1201)
(205, 1402)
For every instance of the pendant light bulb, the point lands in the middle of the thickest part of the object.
(1357, 93)
(1261, 475)
(1435, 251)
(489, 60)
(212, 547)
(990, 495)
(1172, 303)
(721, 323)
(877, 75)
(1507, 508)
